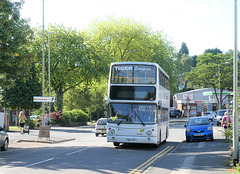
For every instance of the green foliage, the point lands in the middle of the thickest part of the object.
(80, 115)
(117, 40)
(67, 117)
(206, 73)
(183, 50)
(21, 94)
(73, 62)
(33, 124)
(214, 51)
(15, 36)
(57, 118)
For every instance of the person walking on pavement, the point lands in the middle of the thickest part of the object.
(226, 120)
(22, 120)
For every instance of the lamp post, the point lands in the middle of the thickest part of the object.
(49, 114)
(43, 81)
(219, 105)
(235, 94)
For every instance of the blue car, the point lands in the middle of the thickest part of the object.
(199, 128)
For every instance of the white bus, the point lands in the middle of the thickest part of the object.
(138, 103)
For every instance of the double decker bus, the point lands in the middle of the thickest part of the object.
(138, 103)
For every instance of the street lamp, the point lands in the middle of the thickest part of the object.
(49, 114)
(220, 107)
(235, 94)
(43, 82)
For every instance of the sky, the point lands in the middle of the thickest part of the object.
(201, 24)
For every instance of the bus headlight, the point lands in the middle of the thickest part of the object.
(149, 132)
(112, 131)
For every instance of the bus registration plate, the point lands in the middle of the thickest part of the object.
(131, 139)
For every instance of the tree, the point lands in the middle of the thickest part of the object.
(206, 73)
(183, 50)
(73, 62)
(20, 96)
(214, 51)
(123, 39)
(88, 98)
(187, 65)
(15, 37)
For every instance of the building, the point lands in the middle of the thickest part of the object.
(197, 101)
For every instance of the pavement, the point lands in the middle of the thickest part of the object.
(57, 135)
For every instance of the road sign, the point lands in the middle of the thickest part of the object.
(43, 99)
(188, 95)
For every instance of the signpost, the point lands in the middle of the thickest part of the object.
(188, 107)
(44, 131)
(43, 99)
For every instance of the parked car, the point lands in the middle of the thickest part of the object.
(34, 117)
(175, 113)
(101, 126)
(210, 114)
(199, 128)
(4, 140)
(220, 114)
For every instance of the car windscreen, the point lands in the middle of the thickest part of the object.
(102, 122)
(221, 113)
(198, 121)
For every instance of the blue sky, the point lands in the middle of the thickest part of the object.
(201, 24)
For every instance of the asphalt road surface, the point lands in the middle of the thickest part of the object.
(93, 155)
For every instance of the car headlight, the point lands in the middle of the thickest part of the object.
(209, 128)
(188, 130)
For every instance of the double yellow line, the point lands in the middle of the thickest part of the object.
(149, 162)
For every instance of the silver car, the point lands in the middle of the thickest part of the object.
(210, 114)
(101, 126)
(4, 140)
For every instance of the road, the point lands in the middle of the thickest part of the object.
(93, 155)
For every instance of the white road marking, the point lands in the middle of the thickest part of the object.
(76, 151)
(30, 165)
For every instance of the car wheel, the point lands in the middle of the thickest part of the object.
(116, 144)
(96, 134)
(5, 145)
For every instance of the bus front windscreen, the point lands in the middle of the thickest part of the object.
(132, 113)
(133, 74)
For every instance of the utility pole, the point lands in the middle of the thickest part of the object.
(235, 94)
(43, 74)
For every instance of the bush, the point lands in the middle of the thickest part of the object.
(67, 117)
(57, 118)
(33, 124)
(80, 115)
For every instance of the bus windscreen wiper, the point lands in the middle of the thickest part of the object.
(140, 119)
(122, 120)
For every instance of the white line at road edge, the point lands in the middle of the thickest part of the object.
(76, 151)
(50, 159)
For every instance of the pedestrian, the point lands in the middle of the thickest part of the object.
(226, 120)
(22, 120)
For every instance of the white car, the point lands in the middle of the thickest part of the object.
(220, 115)
(101, 126)
(210, 114)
